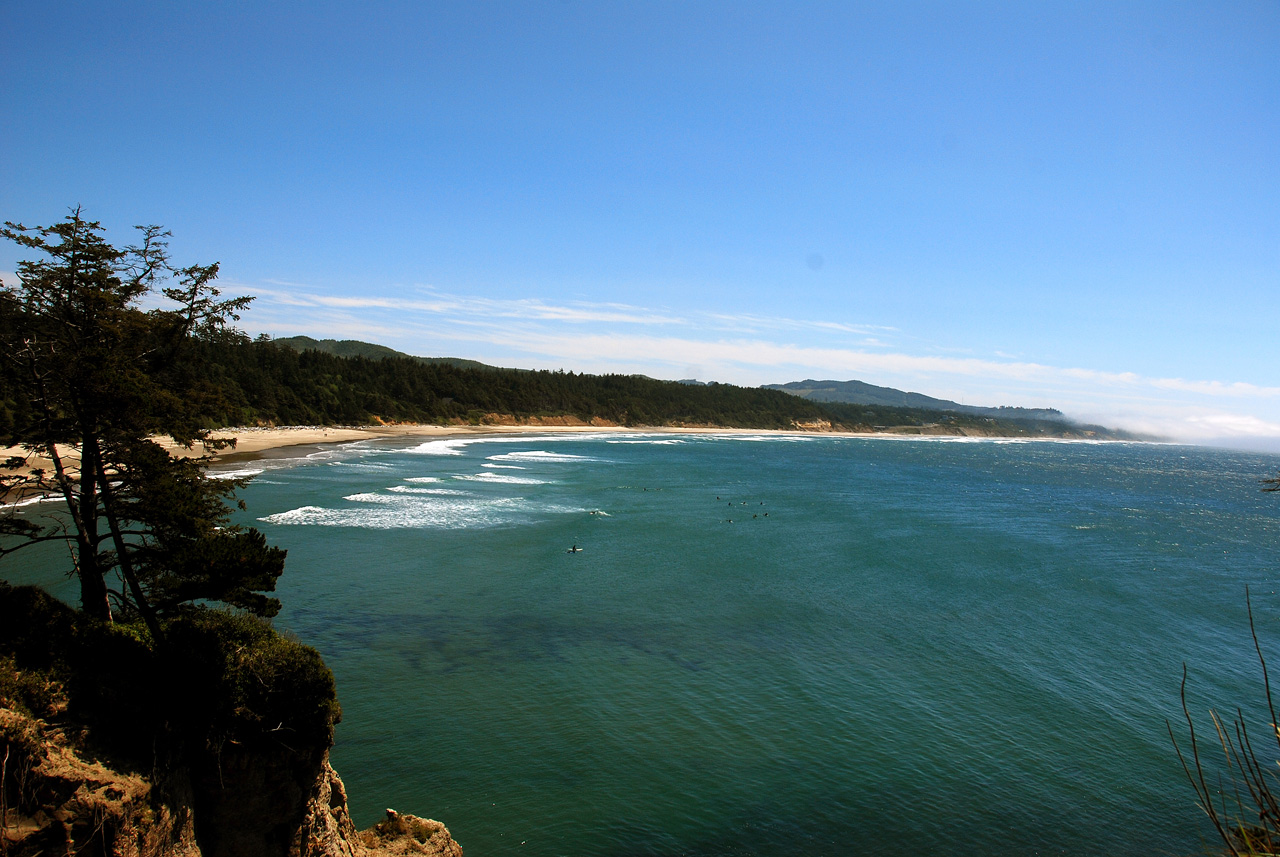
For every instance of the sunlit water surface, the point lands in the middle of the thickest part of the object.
(776, 646)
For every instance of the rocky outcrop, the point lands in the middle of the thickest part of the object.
(59, 799)
(327, 829)
(401, 835)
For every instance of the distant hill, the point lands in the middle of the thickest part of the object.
(861, 393)
(356, 348)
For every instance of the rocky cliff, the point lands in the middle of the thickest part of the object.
(215, 744)
(60, 797)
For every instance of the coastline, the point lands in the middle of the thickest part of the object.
(257, 443)
(253, 443)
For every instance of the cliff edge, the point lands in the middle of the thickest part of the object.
(215, 745)
(60, 797)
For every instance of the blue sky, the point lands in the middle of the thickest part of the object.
(1073, 205)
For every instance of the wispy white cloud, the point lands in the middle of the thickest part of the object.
(1218, 388)
(743, 322)
(677, 351)
(452, 305)
(1233, 425)
(577, 312)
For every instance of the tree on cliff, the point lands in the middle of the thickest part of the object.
(87, 367)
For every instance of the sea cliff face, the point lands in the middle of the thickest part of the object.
(213, 745)
(62, 798)
(58, 798)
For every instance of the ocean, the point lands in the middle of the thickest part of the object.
(777, 645)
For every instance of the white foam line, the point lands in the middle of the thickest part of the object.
(235, 474)
(419, 513)
(540, 455)
(370, 497)
(761, 438)
(664, 442)
(502, 478)
(31, 501)
(917, 438)
(454, 446)
(438, 447)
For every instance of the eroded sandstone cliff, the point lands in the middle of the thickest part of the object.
(62, 798)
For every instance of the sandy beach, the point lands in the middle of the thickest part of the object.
(253, 442)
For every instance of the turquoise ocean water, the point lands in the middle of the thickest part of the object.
(776, 646)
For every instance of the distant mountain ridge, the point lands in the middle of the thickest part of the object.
(862, 393)
(356, 348)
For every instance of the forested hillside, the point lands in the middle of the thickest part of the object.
(356, 348)
(247, 383)
(261, 382)
(233, 381)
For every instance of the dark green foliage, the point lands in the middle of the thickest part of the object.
(35, 694)
(100, 376)
(234, 568)
(229, 719)
(34, 626)
(220, 677)
(264, 383)
(116, 683)
(187, 549)
(242, 681)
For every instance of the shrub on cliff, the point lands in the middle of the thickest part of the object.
(238, 679)
(33, 694)
(222, 677)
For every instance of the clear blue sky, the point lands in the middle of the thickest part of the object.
(1071, 204)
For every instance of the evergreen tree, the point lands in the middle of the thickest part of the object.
(92, 374)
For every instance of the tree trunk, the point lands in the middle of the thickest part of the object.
(93, 584)
(122, 556)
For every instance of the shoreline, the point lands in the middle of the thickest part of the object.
(254, 443)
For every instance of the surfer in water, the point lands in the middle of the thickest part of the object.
(574, 549)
